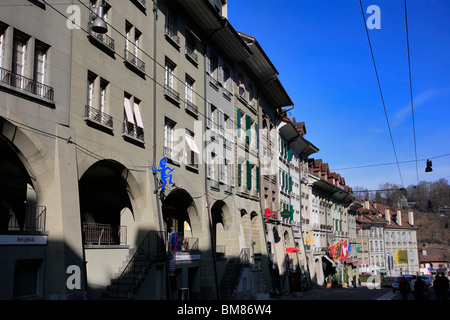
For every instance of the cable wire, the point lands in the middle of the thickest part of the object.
(410, 89)
(381, 93)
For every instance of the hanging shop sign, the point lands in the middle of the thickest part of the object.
(166, 177)
(286, 214)
(269, 214)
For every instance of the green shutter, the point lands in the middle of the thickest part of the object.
(249, 175)
(289, 154)
(292, 212)
(257, 135)
(239, 121)
(239, 173)
(257, 179)
(290, 184)
(248, 128)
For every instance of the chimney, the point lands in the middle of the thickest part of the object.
(387, 215)
(366, 203)
(399, 216)
(411, 216)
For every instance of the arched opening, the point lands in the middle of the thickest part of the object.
(104, 193)
(221, 223)
(18, 202)
(178, 212)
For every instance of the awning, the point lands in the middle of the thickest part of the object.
(332, 262)
(128, 111)
(137, 114)
(191, 144)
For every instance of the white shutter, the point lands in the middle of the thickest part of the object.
(208, 114)
(128, 111)
(137, 114)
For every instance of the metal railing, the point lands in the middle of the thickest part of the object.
(171, 34)
(103, 38)
(134, 61)
(17, 81)
(132, 130)
(153, 244)
(31, 219)
(170, 92)
(104, 234)
(191, 107)
(99, 116)
(171, 154)
(190, 52)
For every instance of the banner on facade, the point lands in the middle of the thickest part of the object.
(401, 256)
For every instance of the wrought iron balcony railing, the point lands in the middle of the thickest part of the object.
(132, 130)
(134, 61)
(102, 38)
(26, 84)
(99, 117)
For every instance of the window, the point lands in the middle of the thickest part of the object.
(191, 151)
(169, 127)
(2, 44)
(189, 85)
(19, 54)
(133, 124)
(169, 74)
(103, 86)
(91, 83)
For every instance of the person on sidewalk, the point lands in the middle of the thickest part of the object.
(403, 286)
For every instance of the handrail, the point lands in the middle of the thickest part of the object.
(133, 269)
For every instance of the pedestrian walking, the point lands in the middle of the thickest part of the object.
(403, 286)
(418, 289)
(437, 284)
(444, 289)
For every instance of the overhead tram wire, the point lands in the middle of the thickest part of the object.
(381, 93)
(143, 52)
(410, 89)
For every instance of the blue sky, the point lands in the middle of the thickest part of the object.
(321, 51)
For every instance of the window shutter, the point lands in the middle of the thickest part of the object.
(208, 164)
(249, 175)
(239, 173)
(238, 120)
(248, 126)
(208, 114)
(257, 136)
(289, 153)
(290, 184)
(257, 179)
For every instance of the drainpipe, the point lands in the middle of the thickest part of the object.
(155, 179)
(213, 244)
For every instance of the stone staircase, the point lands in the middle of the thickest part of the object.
(232, 275)
(129, 276)
(134, 269)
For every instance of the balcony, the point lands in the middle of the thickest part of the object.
(134, 63)
(26, 85)
(104, 234)
(31, 219)
(171, 94)
(132, 131)
(191, 55)
(172, 36)
(98, 117)
(171, 154)
(190, 107)
(102, 41)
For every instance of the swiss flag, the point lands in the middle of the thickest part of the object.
(344, 252)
